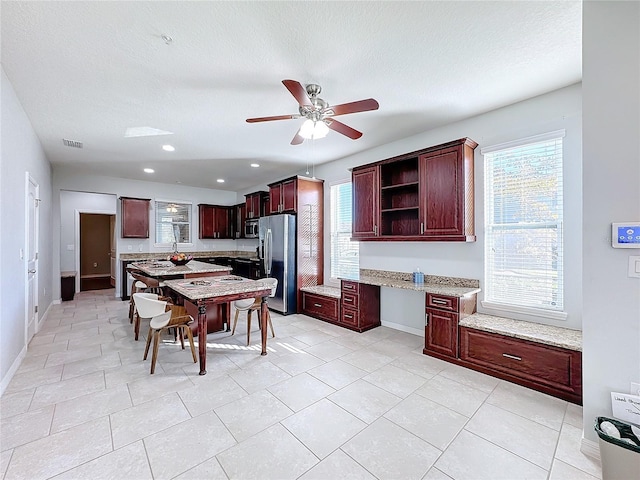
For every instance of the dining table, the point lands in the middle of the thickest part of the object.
(206, 291)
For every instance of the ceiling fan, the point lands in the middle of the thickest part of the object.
(318, 113)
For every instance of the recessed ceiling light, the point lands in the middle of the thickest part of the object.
(144, 132)
(220, 180)
(255, 165)
(149, 170)
(168, 148)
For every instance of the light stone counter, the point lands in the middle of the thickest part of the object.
(165, 255)
(535, 332)
(324, 290)
(215, 287)
(168, 269)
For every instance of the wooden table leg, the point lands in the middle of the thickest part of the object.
(264, 312)
(226, 312)
(202, 338)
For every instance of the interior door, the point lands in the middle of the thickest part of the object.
(31, 255)
(112, 249)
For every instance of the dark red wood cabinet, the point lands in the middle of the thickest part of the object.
(238, 217)
(283, 196)
(255, 204)
(425, 195)
(134, 213)
(215, 221)
(360, 306)
(321, 307)
(442, 314)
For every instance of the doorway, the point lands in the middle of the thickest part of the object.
(97, 251)
(31, 256)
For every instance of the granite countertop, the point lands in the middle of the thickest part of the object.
(324, 290)
(213, 287)
(165, 269)
(451, 286)
(164, 255)
(535, 332)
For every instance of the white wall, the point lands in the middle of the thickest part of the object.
(66, 180)
(557, 110)
(611, 185)
(21, 152)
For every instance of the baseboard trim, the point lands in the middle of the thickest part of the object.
(57, 302)
(403, 328)
(591, 449)
(12, 371)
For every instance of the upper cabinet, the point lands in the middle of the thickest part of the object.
(238, 217)
(135, 217)
(424, 195)
(215, 221)
(283, 196)
(255, 204)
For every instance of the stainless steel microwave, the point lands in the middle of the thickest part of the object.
(251, 228)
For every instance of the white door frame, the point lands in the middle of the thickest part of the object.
(77, 239)
(29, 181)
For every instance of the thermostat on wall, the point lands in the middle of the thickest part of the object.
(625, 235)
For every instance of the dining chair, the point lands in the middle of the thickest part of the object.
(176, 317)
(254, 304)
(137, 286)
(147, 306)
(153, 285)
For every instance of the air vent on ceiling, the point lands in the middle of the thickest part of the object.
(71, 143)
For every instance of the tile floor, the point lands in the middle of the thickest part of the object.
(326, 403)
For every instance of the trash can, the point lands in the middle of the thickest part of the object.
(67, 285)
(620, 456)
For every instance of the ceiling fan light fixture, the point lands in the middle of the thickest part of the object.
(312, 129)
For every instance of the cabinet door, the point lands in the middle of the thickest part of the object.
(366, 206)
(442, 194)
(289, 196)
(248, 206)
(207, 221)
(441, 332)
(255, 206)
(239, 219)
(222, 222)
(265, 205)
(135, 218)
(275, 198)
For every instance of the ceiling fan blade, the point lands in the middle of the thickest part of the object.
(340, 127)
(298, 139)
(268, 119)
(354, 107)
(298, 91)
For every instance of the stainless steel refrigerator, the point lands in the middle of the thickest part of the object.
(277, 234)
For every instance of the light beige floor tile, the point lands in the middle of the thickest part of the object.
(153, 386)
(421, 364)
(323, 427)
(395, 380)
(89, 407)
(128, 372)
(378, 333)
(409, 339)
(470, 457)
(252, 414)
(313, 337)
(329, 350)
(46, 349)
(260, 376)
(573, 415)
(128, 462)
(42, 339)
(354, 340)
(365, 401)
(183, 446)
(64, 451)
(471, 378)
(206, 396)
(29, 364)
(389, 348)
(367, 360)
(209, 470)
(83, 367)
(536, 406)
(563, 471)
(78, 333)
(456, 396)
(569, 452)
(435, 474)
(338, 465)
(67, 389)
(300, 391)
(15, 403)
(132, 424)
(5, 457)
(296, 363)
(26, 427)
(306, 323)
(77, 354)
(283, 331)
(431, 422)
(97, 339)
(337, 373)
(519, 435)
(272, 454)
(388, 451)
(22, 381)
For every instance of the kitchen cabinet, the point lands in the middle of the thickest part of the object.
(442, 314)
(321, 306)
(360, 306)
(426, 195)
(255, 203)
(215, 221)
(238, 217)
(283, 196)
(134, 213)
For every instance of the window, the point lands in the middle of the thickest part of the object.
(523, 226)
(344, 252)
(173, 222)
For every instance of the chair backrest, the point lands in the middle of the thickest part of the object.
(273, 283)
(148, 307)
(148, 281)
(161, 321)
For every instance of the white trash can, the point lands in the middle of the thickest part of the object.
(620, 456)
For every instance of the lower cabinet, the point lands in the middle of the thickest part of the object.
(360, 306)
(442, 314)
(320, 306)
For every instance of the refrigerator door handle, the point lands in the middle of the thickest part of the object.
(268, 252)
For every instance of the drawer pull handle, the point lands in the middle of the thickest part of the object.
(348, 316)
(512, 357)
(437, 301)
(317, 305)
(348, 300)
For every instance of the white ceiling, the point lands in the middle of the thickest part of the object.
(87, 71)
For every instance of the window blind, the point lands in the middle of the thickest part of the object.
(523, 224)
(344, 252)
(173, 222)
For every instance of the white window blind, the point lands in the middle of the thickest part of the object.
(344, 252)
(173, 222)
(523, 224)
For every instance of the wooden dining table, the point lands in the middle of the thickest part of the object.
(206, 291)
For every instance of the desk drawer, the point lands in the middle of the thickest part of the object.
(442, 302)
(350, 317)
(319, 306)
(349, 287)
(349, 300)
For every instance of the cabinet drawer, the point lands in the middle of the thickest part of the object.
(320, 307)
(349, 287)
(350, 317)
(442, 302)
(537, 362)
(349, 300)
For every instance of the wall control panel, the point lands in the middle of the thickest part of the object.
(625, 235)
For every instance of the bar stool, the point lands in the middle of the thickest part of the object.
(254, 304)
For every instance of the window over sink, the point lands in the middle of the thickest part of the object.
(173, 222)
(344, 252)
